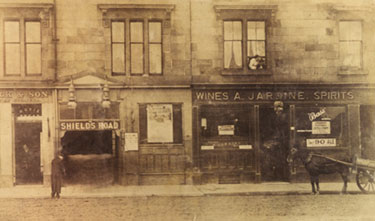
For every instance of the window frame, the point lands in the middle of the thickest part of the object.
(351, 68)
(247, 14)
(147, 14)
(24, 13)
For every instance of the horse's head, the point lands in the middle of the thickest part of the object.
(292, 155)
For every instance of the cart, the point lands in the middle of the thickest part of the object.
(364, 170)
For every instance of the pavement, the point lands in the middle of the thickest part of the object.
(271, 188)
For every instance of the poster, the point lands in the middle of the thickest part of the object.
(226, 129)
(321, 127)
(159, 123)
(131, 141)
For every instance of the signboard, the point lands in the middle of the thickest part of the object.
(131, 141)
(226, 129)
(206, 147)
(321, 142)
(321, 127)
(32, 95)
(245, 147)
(89, 125)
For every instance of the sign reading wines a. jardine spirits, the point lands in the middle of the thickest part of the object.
(89, 125)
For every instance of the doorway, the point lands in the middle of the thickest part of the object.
(27, 152)
(274, 143)
(367, 115)
(90, 157)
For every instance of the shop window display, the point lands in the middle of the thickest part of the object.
(321, 127)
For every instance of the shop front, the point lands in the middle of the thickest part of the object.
(244, 133)
(26, 135)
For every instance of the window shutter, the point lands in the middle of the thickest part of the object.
(143, 123)
(177, 123)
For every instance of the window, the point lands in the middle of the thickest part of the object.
(321, 127)
(27, 51)
(245, 38)
(225, 127)
(160, 123)
(137, 33)
(350, 34)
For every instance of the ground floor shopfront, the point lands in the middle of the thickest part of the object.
(203, 134)
(244, 133)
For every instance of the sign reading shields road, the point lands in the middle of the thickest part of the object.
(89, 125)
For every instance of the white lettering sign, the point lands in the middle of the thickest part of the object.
(226, 129)
(313, 116)
(205, 147)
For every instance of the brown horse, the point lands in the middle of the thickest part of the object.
(316, 165)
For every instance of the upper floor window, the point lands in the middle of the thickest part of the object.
(350, 35)
(26, 42)
(136, 42)
(245, 32)
(140, 50)
(18, 48)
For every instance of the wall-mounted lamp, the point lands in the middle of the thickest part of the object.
(106, 103)
(72, 104)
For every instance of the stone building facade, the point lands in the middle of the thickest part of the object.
(181, 92)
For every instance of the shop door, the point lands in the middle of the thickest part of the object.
(27, 153)
(274, 142)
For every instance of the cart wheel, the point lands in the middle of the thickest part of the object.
(365, 180)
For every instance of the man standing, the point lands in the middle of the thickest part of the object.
(57, 173)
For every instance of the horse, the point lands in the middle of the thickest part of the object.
(316, 164)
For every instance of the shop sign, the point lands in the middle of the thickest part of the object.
(321, 127)
(254, 95)
(321, 142)
(226, 129)
(89, 125)
(207, 147)
(131, 141)
(24, 95)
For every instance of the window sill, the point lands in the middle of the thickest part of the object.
(353, 72)
(242, 72)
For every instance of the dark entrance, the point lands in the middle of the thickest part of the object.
(90, 157)
(274, 143)
(367, 131)
(27, 149)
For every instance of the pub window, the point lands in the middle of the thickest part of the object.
(160, 123)
(22, 42)
(225, 127)
(145, 44)
(350, 35)
(321, 127)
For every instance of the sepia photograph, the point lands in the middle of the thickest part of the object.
(187, 110)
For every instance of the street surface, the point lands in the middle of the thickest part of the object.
(279, 207)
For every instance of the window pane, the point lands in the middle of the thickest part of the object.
(261, 35)
(155, 58)
(33, 59)
(350, 30)
(12, 59)
(350, 54)
(33, 31)
(12, 31)
(154, 31)
(136, 58)
(136, 31)
(251, 30)
(325, 124)
(232, 54)
(118, 31)
(232, 30)
(118, 58)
